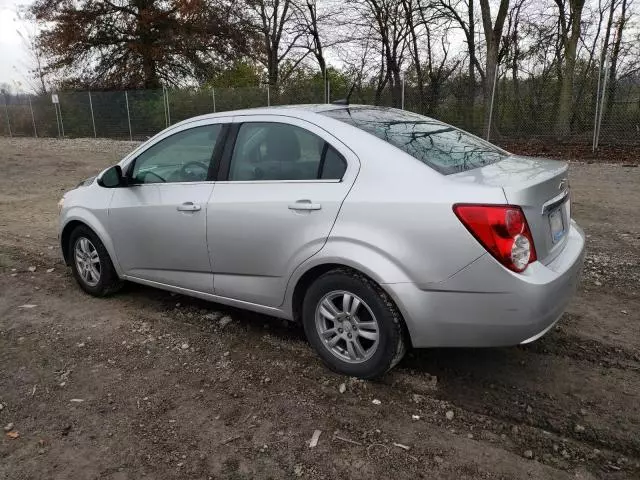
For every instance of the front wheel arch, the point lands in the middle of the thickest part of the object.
(65, 236)
(80, 217)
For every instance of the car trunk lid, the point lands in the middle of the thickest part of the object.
(541, 188)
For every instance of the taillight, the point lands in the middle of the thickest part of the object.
(502, 230)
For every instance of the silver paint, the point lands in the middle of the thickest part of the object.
(390, 218)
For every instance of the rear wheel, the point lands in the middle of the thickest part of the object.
(91, 264)
(353, 325)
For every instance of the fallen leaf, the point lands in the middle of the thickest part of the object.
(13, 434)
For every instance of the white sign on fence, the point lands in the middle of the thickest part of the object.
(54, 98)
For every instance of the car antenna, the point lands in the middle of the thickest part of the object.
(345, 101)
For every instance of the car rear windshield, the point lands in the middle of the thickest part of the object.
(440, 146)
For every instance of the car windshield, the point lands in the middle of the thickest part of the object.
(440, 146)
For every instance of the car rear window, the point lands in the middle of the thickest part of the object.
(440, 146)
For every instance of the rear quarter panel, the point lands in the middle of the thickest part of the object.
(397, 221)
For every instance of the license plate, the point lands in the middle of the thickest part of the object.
(557, 225)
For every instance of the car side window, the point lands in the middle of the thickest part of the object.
(182, 157)
(333, 166)
(279, 151)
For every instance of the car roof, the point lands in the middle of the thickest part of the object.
(301, 111)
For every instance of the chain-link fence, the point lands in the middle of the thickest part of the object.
(524, 111)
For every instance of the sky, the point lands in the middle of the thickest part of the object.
(13, 65)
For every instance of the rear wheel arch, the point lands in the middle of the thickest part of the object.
(315, 272)
(390, 332)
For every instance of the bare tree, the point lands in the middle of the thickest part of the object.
(467, 23)
(425, 25)
(389, 22)
(277, 26)
(515, 52)
(309, 23)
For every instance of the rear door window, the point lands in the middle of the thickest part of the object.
(272, 151)
(440, 146)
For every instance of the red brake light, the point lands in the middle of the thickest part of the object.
(502, 230)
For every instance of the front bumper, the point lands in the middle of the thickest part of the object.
(486, 305)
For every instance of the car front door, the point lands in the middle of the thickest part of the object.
(158, 221)
(280, 188)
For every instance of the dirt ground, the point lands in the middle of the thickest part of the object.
(147, 384)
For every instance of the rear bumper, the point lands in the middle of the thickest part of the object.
(486, 305)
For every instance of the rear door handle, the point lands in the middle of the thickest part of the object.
(304, 205)
(189, 207)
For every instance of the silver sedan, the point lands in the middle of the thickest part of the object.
(375, 228)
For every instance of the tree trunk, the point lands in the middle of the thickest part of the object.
(149, 66)
(615, 54)
(471, 86)
(517, 100)
(383, 78)
(150, 73)
(565, 100)
(272, 62)
(396, 87)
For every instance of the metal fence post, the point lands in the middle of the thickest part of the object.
(93, 121)
(164, 107)
(33, 119)
(213, 95)
(55, 109)
(595, 120)
(166, 99)
(493, 94)
(6, 112)
(328, 91)
(268, 96)
(126, 99)
(402, 100)
(61, 122)
(602, 98)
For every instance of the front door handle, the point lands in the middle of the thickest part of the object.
(189, 207)
(304, 205)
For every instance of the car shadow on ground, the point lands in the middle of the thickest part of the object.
(454, 367)
(252, 322)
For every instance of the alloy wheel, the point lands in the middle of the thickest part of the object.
(87, 261)
(347, 326)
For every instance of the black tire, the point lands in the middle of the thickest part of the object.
(108, 282)
(391, 345)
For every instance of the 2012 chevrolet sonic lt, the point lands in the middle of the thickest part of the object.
(376, 228)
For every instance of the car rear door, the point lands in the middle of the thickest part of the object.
(281, 185)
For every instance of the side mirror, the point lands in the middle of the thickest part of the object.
(112, 178)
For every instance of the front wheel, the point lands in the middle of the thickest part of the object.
(353, 325)
(91, 264)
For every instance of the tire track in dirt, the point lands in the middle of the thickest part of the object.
(484, 383)
(563, 344)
